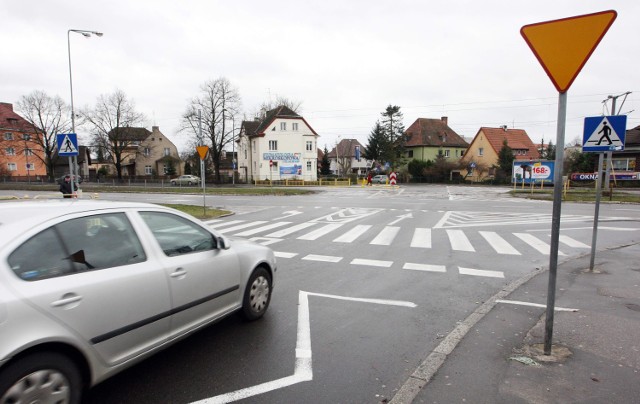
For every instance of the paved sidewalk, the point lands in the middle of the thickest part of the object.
(596, 353)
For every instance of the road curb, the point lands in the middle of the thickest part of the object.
(425, 371)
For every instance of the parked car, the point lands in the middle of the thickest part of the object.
(380, 179)
(88, 288)
(186, 180)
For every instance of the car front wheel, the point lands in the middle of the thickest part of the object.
(41, 378)
(257, 295)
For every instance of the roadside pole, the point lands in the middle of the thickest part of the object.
(563, 47)
(202, 152)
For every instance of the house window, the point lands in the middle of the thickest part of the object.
(309, 145)
(447, 153)
(30, 166)
(167, 151)
(410, 154)
(283, 126)
(26, 136)
(147, 152)
(254, 146)
(8, 136)
(28, 152)
(165, 169)
(294, 126)
(10, 151)
(308, 165)
(273, 145)
(481, 151)
(148, 170)
(245, 153)
(12, 166)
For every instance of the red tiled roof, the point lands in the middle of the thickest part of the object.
(432, 132)
(9, 120)
(517, 139)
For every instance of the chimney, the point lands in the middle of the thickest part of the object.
(7, 106)
(155, 129)
(445, 120)
(504, 127)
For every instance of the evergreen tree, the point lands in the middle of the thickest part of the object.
(377, 145)
(550, 152)
(325, 165)
(394, 133)
(505, 159)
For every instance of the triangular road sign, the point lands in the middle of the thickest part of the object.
(603, 133)
(202, 151)
(564, 46)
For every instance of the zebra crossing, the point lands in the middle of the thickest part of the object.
(458, 239)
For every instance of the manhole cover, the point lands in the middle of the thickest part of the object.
(633, 306)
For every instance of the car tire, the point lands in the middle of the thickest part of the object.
(173, 183)
(43, 378)
(189, 183)
(257, 294)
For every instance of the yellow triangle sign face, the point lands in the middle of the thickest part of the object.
(564, 46)
(202, 151)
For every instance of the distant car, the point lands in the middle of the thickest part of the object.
(89, 288)
(186, 180)
(379, 179)
(78, 179)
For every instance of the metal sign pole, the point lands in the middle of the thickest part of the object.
(596, 214)
(204, 200)
(555, 223)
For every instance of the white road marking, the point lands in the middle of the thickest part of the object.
(480, 272)
(459, 241)
(572, 242)
(261, 229)
(316, 234)
(421, 238)
(280, 254)
(226, 223)
(242, 226)
(322, 258)
(371, 263)
(292, 229)
(498, 243)
(517, 302)
(303, 371)
(353, 234)
(386, 236)
(536, 243)
(425, 267)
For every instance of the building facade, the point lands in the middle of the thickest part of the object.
(347, 159)
(21, 154)
(280, 146)
(428, 139)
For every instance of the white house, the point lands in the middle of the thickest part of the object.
(280, 146)
(347, 158)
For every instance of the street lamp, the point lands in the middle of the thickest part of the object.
(233, 145)
(73, 169)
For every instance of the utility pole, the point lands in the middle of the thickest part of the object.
(613, 99)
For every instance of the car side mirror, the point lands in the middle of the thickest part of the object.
(223, 243)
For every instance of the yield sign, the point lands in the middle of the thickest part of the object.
(564, 46)
(202, 151)
(604, 133)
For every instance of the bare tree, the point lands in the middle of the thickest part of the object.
(111, 121)
(48, 116)
(218, 105)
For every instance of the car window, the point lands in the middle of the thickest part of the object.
(177, 235)
(78, 245)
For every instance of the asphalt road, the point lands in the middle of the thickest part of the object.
(370, 280)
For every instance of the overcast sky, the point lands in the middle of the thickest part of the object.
(344, 60)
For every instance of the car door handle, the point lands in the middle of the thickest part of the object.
(67, 300)
(179, 272)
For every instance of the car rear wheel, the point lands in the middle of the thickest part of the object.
(41, 378)
(189, 183)
(257, 295)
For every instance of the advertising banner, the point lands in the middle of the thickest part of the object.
(290, 171)
(536, 172)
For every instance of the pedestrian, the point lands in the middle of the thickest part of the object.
(369, 178)
(65, 187)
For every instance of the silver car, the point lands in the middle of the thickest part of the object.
(186, 180)
(88, 288)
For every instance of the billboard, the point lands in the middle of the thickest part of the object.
(533, 172)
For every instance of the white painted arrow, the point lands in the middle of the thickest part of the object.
(401, 217)
(303, 370)
(287, 214)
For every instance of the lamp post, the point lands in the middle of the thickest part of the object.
(73, 168)
(233, 145)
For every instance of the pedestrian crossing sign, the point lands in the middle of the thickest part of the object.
(604, 133)
(67, 144)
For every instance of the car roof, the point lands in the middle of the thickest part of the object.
(22, 215)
